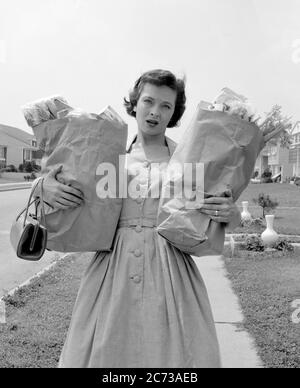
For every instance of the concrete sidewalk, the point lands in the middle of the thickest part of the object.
(236, 345)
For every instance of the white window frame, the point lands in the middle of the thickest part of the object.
(2, 147)
(24, 154)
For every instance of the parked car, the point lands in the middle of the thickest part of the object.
(297, 181)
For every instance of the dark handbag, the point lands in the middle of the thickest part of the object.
(27, 236)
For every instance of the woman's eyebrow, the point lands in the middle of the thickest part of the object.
(163, 102)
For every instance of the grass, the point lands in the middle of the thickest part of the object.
(286, 194)
(287, 215)
(13, 177)
(38, 316)
(267, 284)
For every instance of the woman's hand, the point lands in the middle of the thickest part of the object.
(58, 195)
(222, 210)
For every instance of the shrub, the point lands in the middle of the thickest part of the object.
(283, 245)
(266, 176)
(266, 203)
(28, 167)
(253, 222)
(21, 167)
(11, 168)
(254, 243)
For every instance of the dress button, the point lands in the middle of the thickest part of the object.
(146, 164)
(138, 228)
(139, 200)
(137, 279)
(137, 253)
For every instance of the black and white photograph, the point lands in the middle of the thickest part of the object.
(149, 187)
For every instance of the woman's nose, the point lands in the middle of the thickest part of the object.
(154, 113)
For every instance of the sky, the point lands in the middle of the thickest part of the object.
(92, 51)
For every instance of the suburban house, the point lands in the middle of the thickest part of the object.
(17, 146)
(277, 160)
(294, 157)
(283, 162)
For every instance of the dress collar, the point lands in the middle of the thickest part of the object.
(171, 144)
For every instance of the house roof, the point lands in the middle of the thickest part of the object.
(296, 129)
(17, 134)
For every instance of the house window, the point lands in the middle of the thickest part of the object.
(3, 153)
(27, 155)
(34, 143)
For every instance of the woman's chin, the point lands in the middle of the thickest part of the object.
(151, 131)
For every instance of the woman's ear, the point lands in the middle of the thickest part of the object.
(134, 109)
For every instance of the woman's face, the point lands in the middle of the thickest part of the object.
(155, 109)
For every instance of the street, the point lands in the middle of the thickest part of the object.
(14, 271)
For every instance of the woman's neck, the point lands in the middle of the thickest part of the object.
(144, 140)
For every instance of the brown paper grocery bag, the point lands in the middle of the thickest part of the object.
(80, 143)
(228, 147)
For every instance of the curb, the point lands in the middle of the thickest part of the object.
(15, 186)
(256, 234)
(26, 283)
(228, 237)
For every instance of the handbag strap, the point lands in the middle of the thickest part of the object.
(43, 204)
(26, 209)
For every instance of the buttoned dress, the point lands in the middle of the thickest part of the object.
(144, 304)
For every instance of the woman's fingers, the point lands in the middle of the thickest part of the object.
(72, 199)
(60, 206)
(221, 216)
(216, 212)
(214, 207)
(216, 200)
(71, 190)
(65, 204)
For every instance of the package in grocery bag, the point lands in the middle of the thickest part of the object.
(224, 141)
(84, 144)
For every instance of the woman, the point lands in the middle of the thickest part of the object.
(144, 304)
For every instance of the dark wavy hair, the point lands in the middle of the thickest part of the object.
(159, 78)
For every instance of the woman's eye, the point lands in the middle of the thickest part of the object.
(167, 106)
(148, 101)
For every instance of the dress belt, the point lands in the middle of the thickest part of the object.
(143, 222)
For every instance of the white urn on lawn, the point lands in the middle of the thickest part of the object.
(269, 236)
(246, 216)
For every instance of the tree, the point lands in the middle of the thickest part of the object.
(265, 202)
(275, 119)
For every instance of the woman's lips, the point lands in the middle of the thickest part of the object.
(152, 123)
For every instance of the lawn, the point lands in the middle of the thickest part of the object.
(13, 177)
(38, 316)
(267, 284)
(287, 215)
